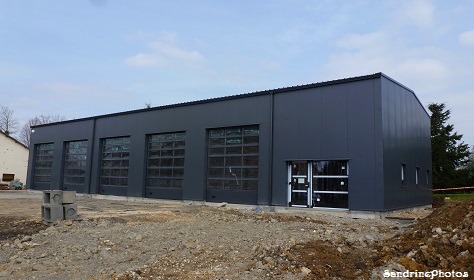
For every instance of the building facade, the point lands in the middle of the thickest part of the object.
(13, 160)
(360, 143)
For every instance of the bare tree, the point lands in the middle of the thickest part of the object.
(8, 124)
(25, 132)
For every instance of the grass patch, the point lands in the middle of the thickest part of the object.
(455, 196)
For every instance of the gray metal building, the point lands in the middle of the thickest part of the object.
(360, 143)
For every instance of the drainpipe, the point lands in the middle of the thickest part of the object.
(92, 155)
(271, 148)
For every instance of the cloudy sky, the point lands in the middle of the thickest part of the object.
(90, 57)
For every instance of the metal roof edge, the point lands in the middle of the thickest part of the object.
(407, 88)
(231, 97)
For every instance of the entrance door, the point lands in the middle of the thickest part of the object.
(330, 183)
(318, 183)
(299, 184)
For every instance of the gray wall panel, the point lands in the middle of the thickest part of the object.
(334, 121)
(309, 124)
(331, 122)
(362, 139)
(372, 121)
(285, 142)
(195, 120)
(379, 142)
(403, 144)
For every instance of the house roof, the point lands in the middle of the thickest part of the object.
(256, 93)
(16, 141)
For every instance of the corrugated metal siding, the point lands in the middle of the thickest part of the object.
(406, 134)
(372, 121)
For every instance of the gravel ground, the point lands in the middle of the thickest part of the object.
(120, 239)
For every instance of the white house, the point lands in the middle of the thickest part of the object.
(13, 159)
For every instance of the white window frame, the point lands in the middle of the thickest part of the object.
(403, 171)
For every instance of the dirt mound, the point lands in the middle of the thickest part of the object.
(319, 259)
(444, 240)
(271, 217)
(134, 240)
(11, 227)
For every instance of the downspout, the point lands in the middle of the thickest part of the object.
(271, 148)
(92, 155)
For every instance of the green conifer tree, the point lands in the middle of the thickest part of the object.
(449, 153)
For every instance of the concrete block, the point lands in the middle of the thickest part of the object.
(53, 197)
(70, 211)
(69, 197)
(51, 213)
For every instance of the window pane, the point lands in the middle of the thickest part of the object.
(216, 132)
(233, 173)
(330, 200)
(250, 185)
(215, 184)
(177, 183)
(153, 163)
(168, 145)
(250, 160)
(233, 150)
(233, 161)
(250, 173)
(166, 162)
(152, 182)
(166, 172)
(215, 172)
(216, 161)
(153, 172)
(233, 141)
(332, 168)
(232, 185)
(179, 144)
(216, 151)
(217, 142)
(250, 149)
(251, 140)
(330, 184)
(178, 172)
(251, 130)
(233, 131)
(178, 162)
(153, 154)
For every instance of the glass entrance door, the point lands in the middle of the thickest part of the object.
(299, 184)
(330, 183)
(322, 183)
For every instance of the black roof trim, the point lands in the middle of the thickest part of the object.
(251, 94)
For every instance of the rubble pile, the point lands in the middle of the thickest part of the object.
(444, 240)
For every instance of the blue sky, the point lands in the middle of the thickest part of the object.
(91, 57)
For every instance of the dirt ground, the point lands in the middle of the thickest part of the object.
(153, 239)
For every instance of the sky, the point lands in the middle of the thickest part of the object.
(91, 57)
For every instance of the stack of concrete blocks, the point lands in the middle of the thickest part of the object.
(58, 205)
